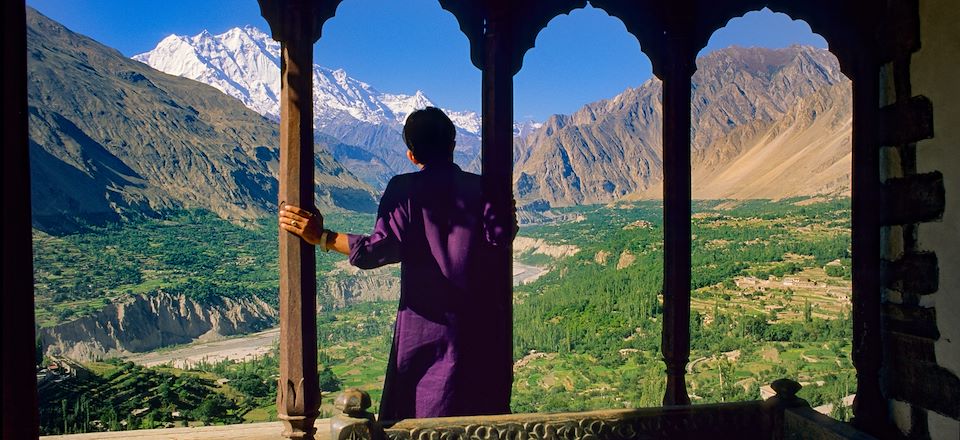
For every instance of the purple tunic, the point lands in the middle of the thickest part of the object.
(451, 352)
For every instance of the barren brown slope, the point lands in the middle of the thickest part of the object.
(806, 152)
(766, 124)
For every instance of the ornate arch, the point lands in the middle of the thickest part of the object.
(522, 20)
(847, 31)
(655, 25)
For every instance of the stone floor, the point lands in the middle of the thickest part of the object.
(249, 431)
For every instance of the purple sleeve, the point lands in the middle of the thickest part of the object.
(383, 245)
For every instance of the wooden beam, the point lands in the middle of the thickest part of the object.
(497, 170)
(677, 71)
(870, 406)
(20, 419)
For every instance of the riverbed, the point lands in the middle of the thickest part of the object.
(250, 346)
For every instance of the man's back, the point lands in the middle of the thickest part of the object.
(436, 223)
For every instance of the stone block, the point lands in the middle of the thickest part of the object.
(916, 273)
(906, 122)
(913, 199)
(911, 320)
(912, 375)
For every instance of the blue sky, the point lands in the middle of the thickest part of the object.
(401, 46)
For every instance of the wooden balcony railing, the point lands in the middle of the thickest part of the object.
(783, 416)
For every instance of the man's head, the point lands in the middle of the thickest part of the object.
(430, 136)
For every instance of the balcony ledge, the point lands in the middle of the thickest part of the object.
(247, 431)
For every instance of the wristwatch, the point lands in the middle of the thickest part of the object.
(323, 240)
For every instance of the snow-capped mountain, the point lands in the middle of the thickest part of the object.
(245, 63)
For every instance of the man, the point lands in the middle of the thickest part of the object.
(451, 351)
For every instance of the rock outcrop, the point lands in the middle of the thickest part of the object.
(347, 285)
(142, 323)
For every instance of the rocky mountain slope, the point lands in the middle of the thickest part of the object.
(146, 322)
(111, 137)
(767, 123)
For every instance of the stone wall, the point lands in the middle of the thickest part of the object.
(920, 166)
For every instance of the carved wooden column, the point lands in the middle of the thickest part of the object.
(296, 24)
(19, 375)
(676, 72)
(869, 407)
(298, 394)
(497, 169)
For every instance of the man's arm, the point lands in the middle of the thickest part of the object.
(338, 242)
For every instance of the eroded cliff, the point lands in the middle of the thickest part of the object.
(141, 323)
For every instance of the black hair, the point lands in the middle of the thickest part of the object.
(430, 135)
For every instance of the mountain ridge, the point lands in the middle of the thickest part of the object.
(744, 100)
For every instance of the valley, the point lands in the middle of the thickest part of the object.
(770, 299)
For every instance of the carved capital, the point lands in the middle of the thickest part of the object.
(297, 20)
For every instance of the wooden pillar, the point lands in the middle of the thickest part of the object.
(294, 24)
(869, 407)
(677, 70)
(497, 170)
(20, 418)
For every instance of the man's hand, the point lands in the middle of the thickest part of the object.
(307, 225)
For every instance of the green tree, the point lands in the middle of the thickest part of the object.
(329, 382)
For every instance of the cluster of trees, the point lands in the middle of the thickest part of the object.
(129, 396)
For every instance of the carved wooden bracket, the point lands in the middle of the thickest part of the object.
(354, 422)
(284, 17)
(520, 20)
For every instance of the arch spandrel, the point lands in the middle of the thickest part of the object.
(528, 21)
(663, 29)
(470, 16)
(278, 14)
(522, 20)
